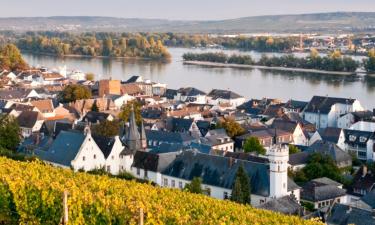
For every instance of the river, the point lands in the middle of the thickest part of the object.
(253, 83)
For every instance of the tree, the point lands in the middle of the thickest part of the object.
(74, 92)
(369, 63)
(106, 128)
(314, 53)
(11, 58)
(232, 128)
(293, 149)
(126, 109)
(241, 191)
(94, 107)
(90, 76)
(252, 144)
(107, 46)
(9, 132)
(195, 186)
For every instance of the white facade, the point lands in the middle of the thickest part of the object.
(114, 164)
(232, 102)
(299, 137)
(278, 157)
(363, 126)
(124, 99)
(89, 156)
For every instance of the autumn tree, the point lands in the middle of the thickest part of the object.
(232, 128)
(9, 132)
(11, 58)
(106, 128)
(369, 63)
(126, 109)
(90, 76)
(107, 46)
(74, 92)
(252, 144)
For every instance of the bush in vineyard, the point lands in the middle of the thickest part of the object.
(31, 193)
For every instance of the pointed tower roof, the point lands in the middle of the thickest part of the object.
(132, 134)
(143, 132)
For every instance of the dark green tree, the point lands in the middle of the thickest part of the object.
(293, 149)
(74, 92)
(9, 132)
(94, 107)
(195, 186)
(106, 128)
(241, 191)
(252, 144)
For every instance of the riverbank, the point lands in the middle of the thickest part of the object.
(241, 66)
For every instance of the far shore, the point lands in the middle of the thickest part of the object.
(227, 65)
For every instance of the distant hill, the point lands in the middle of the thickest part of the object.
(318, 22)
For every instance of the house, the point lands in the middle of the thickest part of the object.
(285, 205)
(363, 182)
(299, 136)
(180, 125)
(45, 107)
(120, 100)
(156, 138)
(72, 149)
(321, 193)
(347, 120)
(52, 128)
(18, 95)
(217, 97)
(267, 137)
(360, 143)
(342, 214)
(29, 122)
(218, 140)
(325, 111)
(107, 87)
(363, 126)
(298, 160)
(339, 156)
(268, 181)
(329, 134)
(190, 94)
(294, 106)
(97, 117)
(111, 148)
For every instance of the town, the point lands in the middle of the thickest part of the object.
(311, 159)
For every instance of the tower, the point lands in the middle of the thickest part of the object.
(132, 136)
(278, 156)
(143, 138)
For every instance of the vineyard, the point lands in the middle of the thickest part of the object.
(31, 193)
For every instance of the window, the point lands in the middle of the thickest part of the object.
(173, 183)
(113, 157)
(138, 171)
(121, 167)
(180, 184)
(83, 158)
(94, 156)
(146, 173)
(352, 138)
(362, 139)
(261, 201)
(165, 182)
(225, 195)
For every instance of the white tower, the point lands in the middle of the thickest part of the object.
(278, 156)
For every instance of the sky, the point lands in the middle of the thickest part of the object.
(177, 9)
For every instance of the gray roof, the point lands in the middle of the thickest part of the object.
(224, 94)
(344, 214)
(168, 137)
(323, 104)
(330, 134)
(28, 119)
(153, 162)
(299, 158)
(315, 191)
(218, 171)
(64, 149)
(190, 91)
(220, 131)
(286, 205)
(328, 181)
(360, 138)
(14, 94)
(369, 199)
(332, 150)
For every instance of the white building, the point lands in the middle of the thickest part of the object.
(218, 97)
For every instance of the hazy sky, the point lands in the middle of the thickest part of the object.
(177, 9)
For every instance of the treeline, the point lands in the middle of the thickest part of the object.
(11, 58)
(333, 62)
(93, 44)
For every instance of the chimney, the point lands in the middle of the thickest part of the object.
(231, 162)
(364, 171)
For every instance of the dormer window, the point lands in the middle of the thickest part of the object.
(362, 139)
(352, 138)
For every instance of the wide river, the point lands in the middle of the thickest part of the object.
(249, 83)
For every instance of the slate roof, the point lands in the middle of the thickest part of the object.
(180, 124)
(344, 214)
(369, 199)
(327, 181)
(169, 137)
(190, 91)
(246, 157)
(330, 134)
(299, 158)
(53, 127)
(286, 205)
(220, 131)
(14, 94)
(224, 94)
(170, 93)
(294, 104)
(153, 162)
(105, 144)
(166, 147)
(323, 104)
(363, 182)
(203, 126)
(325, 148)
(363, 115)
(28, 119)
(315, 191)
(285, 125)
(64, 149)
(133, 79)
(94, 117)
(218, 171)
(357, 137)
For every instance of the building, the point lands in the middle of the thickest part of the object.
(360, 143)
(191, 95)
(29, 122)
(218, 97)
(108, 87)
(324, 111)
(347, 120)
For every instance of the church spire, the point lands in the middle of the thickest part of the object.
(132, 136)
(143, 137)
